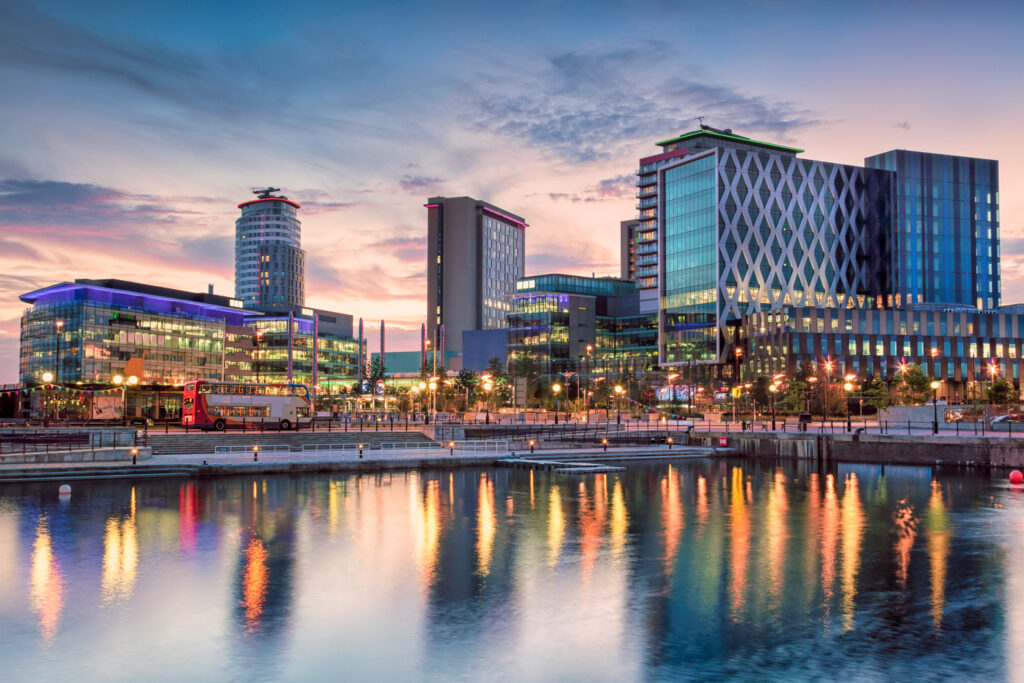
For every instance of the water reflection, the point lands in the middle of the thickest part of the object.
(47, 588)
(659, 572)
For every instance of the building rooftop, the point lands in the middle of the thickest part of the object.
(728, 135)
(209, 302)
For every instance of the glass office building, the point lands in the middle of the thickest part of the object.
(556, 317)
(174, 336)
(289, 343)
(945, 232)
(747, 226)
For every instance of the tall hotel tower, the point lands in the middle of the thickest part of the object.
(475, 253)
(270, 265)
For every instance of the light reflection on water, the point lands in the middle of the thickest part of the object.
(688, 570)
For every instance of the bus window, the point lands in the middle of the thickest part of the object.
(205, 388)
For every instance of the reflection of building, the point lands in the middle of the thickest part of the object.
(558, 317)
(475, 253)
(270, 266)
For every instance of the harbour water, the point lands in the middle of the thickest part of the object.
(691, 570)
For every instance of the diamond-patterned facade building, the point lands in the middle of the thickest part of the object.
(746, 227)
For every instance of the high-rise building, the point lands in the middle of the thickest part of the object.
(639, 249)
(270, 265)
(475, 253)
(746, 226)
(945, 237)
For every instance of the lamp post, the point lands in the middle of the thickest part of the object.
(935, 407)
(772, 388)
(848, 387)
(488, 387)
(555, 388)
(672, 389)
(738, 352)
(433, 397)
(124, 383)
(813, 381)
(259, 338)
(618, 404)
(824, 393)
(586, 397)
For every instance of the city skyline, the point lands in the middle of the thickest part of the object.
(170, 123)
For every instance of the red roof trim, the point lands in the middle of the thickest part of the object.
(661, 157)
(270, 199)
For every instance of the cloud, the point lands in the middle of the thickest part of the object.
(617, 188)
(421, 185)
(406, 249)
(905, 125)
(584, 106)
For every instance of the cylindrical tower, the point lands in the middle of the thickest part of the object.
(270, 265)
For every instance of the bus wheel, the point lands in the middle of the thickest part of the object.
(219, 425)
(286, 425)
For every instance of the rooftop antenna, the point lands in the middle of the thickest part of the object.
(700, 120)
(266, 192)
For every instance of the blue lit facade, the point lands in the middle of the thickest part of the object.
(175, 335)
(945, 229)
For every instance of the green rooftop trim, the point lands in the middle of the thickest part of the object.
(723, 136)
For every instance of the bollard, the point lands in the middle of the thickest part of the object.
(255, 453)
(531, 445)
(669, 439)
(605, 443)
(360, 451)
(135, 453)
(451, 448)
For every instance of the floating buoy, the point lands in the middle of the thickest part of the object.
(65, 489)
(1017, 477)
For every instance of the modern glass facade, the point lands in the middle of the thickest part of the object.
(287, 348)
(745, 227)
(690, 304)
(956, 346)
(946, 228)
(269, 261)
(105, 327)
(502, 245)
(558, 316)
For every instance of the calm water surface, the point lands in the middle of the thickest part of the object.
(690, 570)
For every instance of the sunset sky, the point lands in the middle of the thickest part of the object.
(131, 130)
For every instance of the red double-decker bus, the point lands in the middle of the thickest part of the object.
(208, 404)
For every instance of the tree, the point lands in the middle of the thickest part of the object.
(1001, 391)
(760, 392)
(915, 387)
(525, 365)
(876, 394)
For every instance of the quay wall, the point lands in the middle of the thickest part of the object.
(980, 451)
(120, 454)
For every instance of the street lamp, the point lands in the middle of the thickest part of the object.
(672, 389)
(555, 388)
(433, 396)
(259, 338)
(848, 387)
(124, 384)
(773, 388)
(586, 396)
(618, 404)
(824, 395)
(935, 407)
(488, 386)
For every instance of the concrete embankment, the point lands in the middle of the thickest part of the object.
(980, 451)
(214, 466)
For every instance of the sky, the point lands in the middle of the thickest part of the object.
(129, 131)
